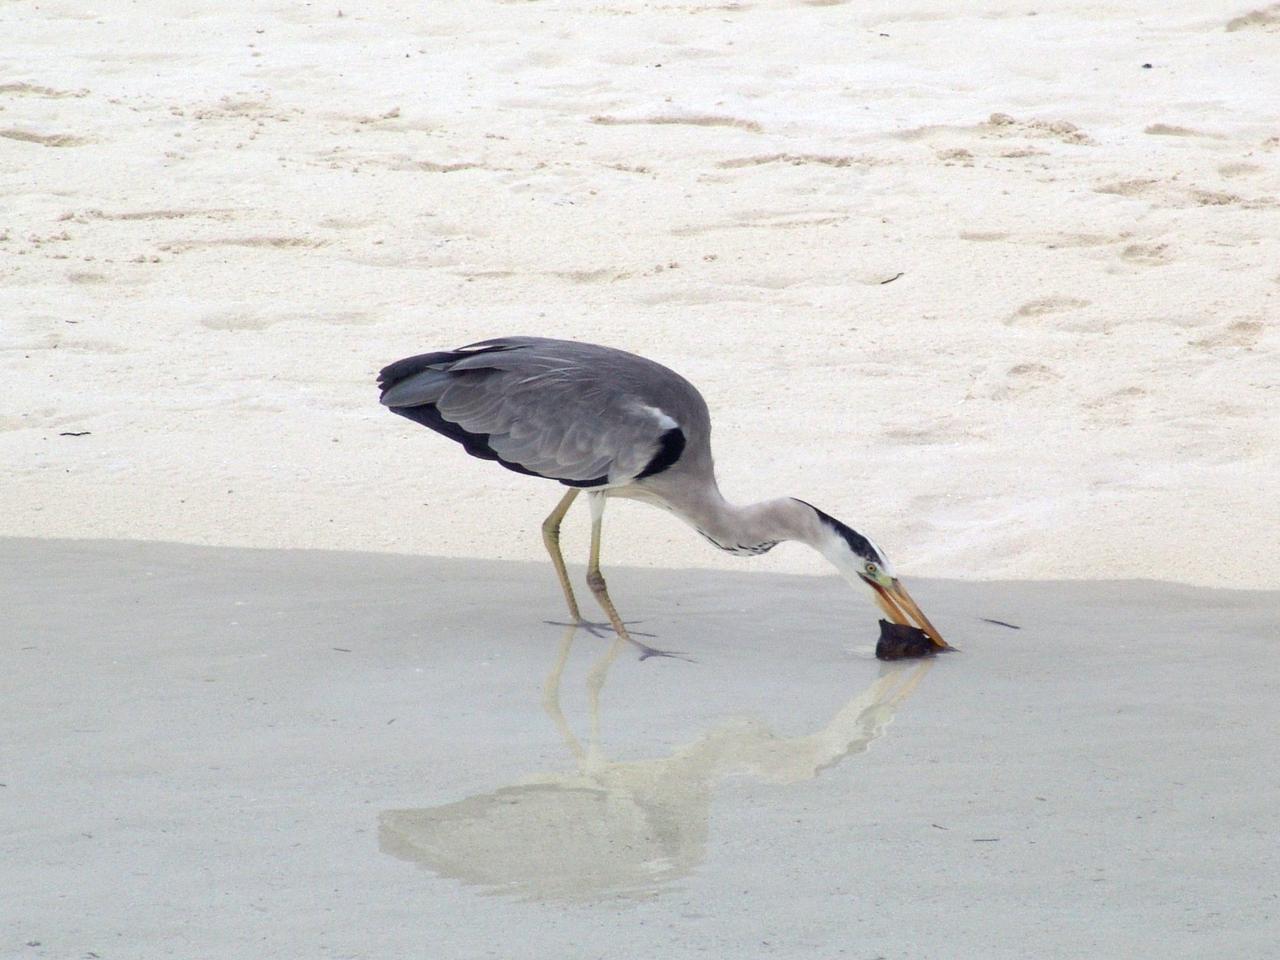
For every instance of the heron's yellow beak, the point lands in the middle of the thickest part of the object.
(900, 608)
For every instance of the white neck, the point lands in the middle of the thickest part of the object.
(755, 528)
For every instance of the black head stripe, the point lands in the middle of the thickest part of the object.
(856, 541)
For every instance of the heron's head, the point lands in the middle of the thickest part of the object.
(861, 561)
(892, 597)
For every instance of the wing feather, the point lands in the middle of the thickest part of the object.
(568, 411)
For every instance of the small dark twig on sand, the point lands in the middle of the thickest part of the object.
(891, 279)
(1000, 623)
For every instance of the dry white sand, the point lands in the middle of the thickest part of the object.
(219, 220)
(227, 753)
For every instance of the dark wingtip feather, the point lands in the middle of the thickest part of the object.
(393, 373)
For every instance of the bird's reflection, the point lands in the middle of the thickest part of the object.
(623, 828)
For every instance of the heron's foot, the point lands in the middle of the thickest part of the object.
(598, 629)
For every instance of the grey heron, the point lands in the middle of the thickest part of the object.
(616, 425)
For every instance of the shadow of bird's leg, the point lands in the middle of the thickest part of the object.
(551, 537)
(595, 580)
(598, 628)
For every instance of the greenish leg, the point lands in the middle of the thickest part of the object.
(551, 537)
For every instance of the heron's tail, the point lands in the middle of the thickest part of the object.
(400, 371)
(403, 383)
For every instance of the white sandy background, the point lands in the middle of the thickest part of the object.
(219, 220)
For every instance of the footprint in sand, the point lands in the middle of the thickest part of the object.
(804, 159)
(46, 418)
(45, 139)
(1126, 188)
(1239, 169)
(430, 166)
(1171, 194)
(1215, 198)
(769, 220)
(1147, 254)
(1033, 374)
(232, 320)
(36, 90)
(604, 275)
(1001, 126)
(1268, 18)
(346, 223)
(939, 431)
(1046, 306)
(86, 216)
(250, 319)
(914, 435)
(1023, 378)
(1241, 333)
(1004, 126)
(1114, 407)
(701, 120)
(269, 243)
(1172, 130)
(1072, 241)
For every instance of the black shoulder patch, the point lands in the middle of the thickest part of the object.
(670, 446)
(856, 541)
(477, 444)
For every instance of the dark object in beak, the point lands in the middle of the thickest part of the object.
(901, 641)
(901, 609)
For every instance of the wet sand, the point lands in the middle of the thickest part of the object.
(223, 752)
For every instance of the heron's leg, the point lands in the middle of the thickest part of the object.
(551, 537)
(595, 580)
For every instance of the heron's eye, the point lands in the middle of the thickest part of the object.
(872, 569)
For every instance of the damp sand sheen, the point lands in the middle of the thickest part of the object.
(317, 735)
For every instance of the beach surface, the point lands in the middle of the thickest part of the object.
(229, 753)
(997, 287)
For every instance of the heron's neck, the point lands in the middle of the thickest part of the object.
(756, 527)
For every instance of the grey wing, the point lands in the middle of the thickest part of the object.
(539, 407)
